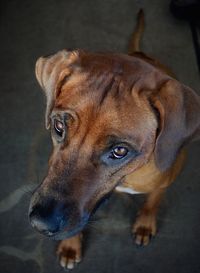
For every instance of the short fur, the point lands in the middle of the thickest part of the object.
(104, 99)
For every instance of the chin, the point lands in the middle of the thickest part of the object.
(62, 235)
(65, 234)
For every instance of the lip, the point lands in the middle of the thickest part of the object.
(65, 234)
(61, 235)
(101, 202)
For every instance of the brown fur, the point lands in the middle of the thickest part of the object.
(105, 99)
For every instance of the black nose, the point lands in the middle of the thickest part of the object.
(49, 217)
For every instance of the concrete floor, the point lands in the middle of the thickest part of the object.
(30, 29)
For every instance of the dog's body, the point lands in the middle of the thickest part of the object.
(118, 122)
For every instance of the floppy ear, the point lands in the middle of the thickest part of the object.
(51, 72)
(178, 109)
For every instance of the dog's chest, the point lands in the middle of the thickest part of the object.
(143, 180)
(126, 190)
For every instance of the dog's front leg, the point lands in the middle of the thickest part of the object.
(145, 225)
(69, 251)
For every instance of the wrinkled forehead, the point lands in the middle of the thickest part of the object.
(96, 83)
(98, 78)
(103, 101)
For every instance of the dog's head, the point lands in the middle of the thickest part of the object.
(108, 113)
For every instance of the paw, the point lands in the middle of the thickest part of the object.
(69, 252)
(143, 229)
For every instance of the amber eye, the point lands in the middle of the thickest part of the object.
(119, 152)
(59, 127)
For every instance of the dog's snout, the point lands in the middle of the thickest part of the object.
(48, 217)
(41, 225)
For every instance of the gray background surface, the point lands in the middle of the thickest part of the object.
(30, 29)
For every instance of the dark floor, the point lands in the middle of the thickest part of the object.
(33, 28)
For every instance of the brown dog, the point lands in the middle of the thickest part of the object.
(117, 122)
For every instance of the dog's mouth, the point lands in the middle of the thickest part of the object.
(65, 234)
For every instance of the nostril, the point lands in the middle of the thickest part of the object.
(48, 220)
(43, 226)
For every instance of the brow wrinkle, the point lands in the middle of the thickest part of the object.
(106, 90)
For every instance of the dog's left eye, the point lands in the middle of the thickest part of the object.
(59, 127)
(119, 152)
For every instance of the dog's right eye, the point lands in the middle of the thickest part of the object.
(59, 127)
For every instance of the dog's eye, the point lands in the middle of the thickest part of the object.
(119, 152)
(59, 127)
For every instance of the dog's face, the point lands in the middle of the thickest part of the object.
(103, 127)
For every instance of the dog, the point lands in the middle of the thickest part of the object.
(118, 122)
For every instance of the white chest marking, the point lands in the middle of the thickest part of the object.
(127, 190)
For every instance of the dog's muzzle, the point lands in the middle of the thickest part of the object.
(57, 219)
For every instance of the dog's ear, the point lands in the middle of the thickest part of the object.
(178, 109)
(51, 72)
